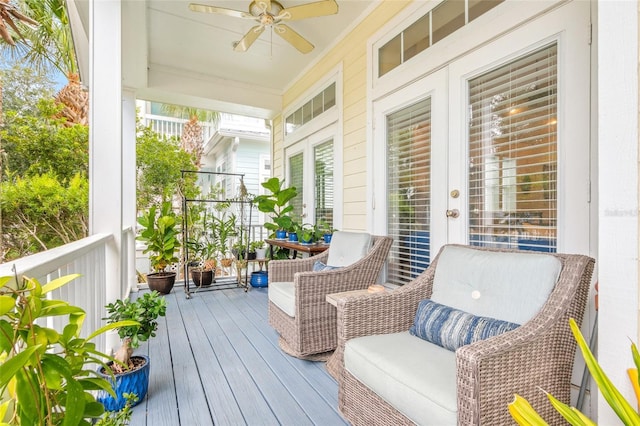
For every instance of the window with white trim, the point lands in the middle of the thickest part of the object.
(409, 189)
(513, 154)
(323, 164)
(313, 108)
(435, 25)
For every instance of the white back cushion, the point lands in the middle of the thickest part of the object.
(507, 286)
(348, 247)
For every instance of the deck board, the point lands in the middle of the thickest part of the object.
(216, 360)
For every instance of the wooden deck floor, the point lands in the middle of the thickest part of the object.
(216, 360)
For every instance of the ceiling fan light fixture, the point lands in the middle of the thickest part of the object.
(270, 13)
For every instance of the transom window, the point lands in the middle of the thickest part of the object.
(312, 109)
(447, 17)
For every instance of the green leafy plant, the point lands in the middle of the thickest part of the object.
(144, 311)
(44, 374)
(324, 228)
(254, 245)
(524, 414)
(161, 236)
(223, 228)
(307, 233)
(119, 418)
(277, 204)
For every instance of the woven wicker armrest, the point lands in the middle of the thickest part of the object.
(527, 359)
(378, 313)
(284, 270)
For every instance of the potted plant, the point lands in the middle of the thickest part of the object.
(223, 229)
(46, 368)
(276, 204)
(307, 233)
(161, 236)
(130, 374)
(324, 231)
(294, 229)
(259, 248)
(202, 268)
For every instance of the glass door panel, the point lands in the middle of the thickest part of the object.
(409, 190)
(512, 147)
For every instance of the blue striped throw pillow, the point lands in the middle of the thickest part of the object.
(451, 328)
(319, 266)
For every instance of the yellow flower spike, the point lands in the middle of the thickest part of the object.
(633, 377)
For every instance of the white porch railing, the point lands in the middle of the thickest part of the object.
(170, 126)
(86, 257)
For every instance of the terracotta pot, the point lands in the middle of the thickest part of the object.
(162, 282)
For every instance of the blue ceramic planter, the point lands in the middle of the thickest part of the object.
(260, 279)
(136, 381)
(281, 235)
(293, 236)
(327, 238)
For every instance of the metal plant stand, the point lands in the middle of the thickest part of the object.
(240, 205)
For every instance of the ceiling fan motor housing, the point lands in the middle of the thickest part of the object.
(259, 10)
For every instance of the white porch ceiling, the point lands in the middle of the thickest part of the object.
(171, 54)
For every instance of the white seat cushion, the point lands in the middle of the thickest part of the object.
(348, 247)
(283, 295)
(414, 376)
(507, 286)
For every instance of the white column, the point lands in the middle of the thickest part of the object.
(617, 193)
(129, 185)
(105, 136)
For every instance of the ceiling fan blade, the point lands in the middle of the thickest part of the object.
(248, 39)
(296, 40)
(309, 10)
(196, 7)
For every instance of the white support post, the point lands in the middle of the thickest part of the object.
(105, 139)
(130, 278)
(617, 85)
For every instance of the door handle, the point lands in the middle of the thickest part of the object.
(453, 213)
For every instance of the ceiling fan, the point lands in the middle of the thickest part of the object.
(270, 13)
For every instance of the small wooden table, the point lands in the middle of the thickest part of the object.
(310, 249)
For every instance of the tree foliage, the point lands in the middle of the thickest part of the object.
(44, 188)
(38, 144)
(42, 212)
(23, 87)
(160, 161)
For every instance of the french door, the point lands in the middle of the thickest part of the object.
(491, 150)
(311, 168)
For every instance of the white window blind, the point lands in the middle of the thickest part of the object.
(296, 173)
(409, 190)
(323, 156)
(513, 154)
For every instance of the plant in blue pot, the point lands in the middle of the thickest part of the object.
(276, 204)
(325, 230)
(129, 374)
(307, 233)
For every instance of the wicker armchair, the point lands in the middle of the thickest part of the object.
(537, 355)
(312, 330)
